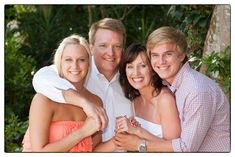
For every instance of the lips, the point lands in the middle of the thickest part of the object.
(109, 59)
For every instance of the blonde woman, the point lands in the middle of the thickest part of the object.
(59, 127)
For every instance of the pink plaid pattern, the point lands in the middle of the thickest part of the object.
(204, 112)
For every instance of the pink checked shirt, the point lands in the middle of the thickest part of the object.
(204, 112)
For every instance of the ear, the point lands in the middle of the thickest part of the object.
(182, 56)
(92, 49)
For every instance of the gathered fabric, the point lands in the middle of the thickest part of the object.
(59, 130)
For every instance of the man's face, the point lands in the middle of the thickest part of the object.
(107, 51)
(166, 60)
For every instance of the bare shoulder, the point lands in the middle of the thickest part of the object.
(40, 97)
(42, 108)
(41, 101)
(165, 98)
(165, 93)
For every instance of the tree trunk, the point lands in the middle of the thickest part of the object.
(219, 35)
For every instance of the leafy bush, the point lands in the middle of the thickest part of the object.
(19, 71)
(217, 67)
(14, 131)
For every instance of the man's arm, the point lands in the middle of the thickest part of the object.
(47, 82)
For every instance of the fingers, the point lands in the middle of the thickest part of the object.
(103, 119)
(121, 128)
(118, 140)
(100, 116)
(122, 124)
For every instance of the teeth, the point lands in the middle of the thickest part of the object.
(74, 72)
(162, 68)
(109, 59)
(137, 79)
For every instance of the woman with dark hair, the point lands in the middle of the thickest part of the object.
(153, 104)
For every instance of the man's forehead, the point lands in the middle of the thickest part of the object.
(164, 47)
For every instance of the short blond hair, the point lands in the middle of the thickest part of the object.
(168, 34)
(107, 23)
(72, 39)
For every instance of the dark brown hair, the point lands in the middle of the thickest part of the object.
(129, 56)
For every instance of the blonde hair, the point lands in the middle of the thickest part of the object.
(72, 39)
(168, 34)
(107, 23)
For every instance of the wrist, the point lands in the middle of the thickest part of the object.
(137, 131)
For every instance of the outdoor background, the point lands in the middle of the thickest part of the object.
(32, 33)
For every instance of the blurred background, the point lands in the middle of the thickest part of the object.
(32, 33)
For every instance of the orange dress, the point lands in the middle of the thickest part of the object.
(59, 130)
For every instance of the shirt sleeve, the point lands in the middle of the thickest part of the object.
(47, 82)
(197, 117)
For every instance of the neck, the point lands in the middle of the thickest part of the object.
(146, 94)
(109, 75)
(79, 86)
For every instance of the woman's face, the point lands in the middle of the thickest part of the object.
(139, 72)
(75, 63)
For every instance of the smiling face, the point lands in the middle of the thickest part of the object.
(75, 64)
(166, 60)
(107, 51)
(138, 72)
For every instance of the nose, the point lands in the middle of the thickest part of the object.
(110, 51)
(162, 60)
(136, 70)
(75, 65)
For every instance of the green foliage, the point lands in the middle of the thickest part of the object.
(194, 21)
(14, 131)
(18, 75)
(218, 67)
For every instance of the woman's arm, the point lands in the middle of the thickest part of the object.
(169, 117)
(107, 146)
(40, 118)
(47, 82)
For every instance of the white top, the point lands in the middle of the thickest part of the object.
(48, 82)
(151, 127)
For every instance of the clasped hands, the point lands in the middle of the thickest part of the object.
(125, 133)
